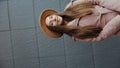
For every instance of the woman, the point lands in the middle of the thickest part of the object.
(81, 21)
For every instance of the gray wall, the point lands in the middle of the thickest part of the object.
(24, 45)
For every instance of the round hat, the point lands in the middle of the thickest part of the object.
(43, 25)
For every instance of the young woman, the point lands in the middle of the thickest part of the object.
(81, 21)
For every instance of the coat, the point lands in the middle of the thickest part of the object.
(105, 15)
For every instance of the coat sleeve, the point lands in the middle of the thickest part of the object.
(110, 28)
(109, 4)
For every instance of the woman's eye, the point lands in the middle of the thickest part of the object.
(51, 23)
(51, 17)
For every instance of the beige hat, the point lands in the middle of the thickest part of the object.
(43, 25)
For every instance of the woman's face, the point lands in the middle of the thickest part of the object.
(53, 20)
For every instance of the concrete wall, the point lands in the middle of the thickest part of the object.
(24, 45)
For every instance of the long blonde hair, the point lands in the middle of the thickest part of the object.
(79, 10)
(72, 13)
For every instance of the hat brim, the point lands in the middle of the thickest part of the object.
(43, 25)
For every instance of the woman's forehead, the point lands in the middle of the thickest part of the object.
(53, 15)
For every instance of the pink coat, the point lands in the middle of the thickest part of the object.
(104, 15)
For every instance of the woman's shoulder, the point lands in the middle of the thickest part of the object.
(73, 3)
